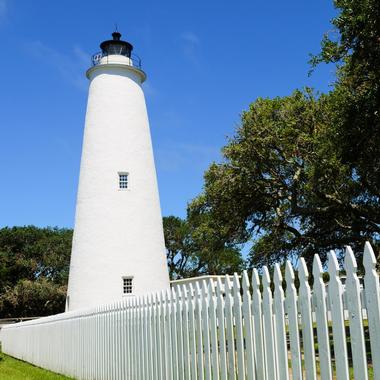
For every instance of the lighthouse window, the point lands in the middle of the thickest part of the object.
(123, 180)
(127, 285)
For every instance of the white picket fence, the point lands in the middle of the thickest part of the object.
(238, 329)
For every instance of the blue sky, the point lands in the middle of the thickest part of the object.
(205, 60)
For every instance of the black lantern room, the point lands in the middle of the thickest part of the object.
(116, 46)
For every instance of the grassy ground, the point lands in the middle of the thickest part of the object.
(12, 369)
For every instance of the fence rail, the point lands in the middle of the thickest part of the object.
(261, 327)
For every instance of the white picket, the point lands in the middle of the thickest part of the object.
(354, 307)
(248, 327)
(173, 316)
(306, 321)
(160, 367)
(269, 332)
(187, 333)
(279, 321)
(229, 320)
(181, 368)
(121, 339)
(146, 347)
(238, 316)
(185, 329)
(335, 294)
(151, 347)
(258, 337)
(292, 310)
(319, 301)
(372, 295)
(167, 337)
(140, 338)
(198, 316)
(221, 331)
(206, 331)
(213, 332)
(192, 331)
(154, 339)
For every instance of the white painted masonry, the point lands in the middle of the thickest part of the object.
(118, 233)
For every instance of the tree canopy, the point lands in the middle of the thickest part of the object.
(301, 175)
(34, 266)
(195, 249)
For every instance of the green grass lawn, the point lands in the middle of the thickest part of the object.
(13, 369)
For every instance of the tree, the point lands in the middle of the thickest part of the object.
(194, 248)
(177, 243)
(33, 298)
(301, 175)
(354, 46)
(34, 267)
(282, 184)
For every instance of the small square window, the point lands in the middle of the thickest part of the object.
(123, 181)
(127, 285)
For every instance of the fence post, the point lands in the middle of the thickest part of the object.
(291, 307)
(259, 344)
(279, 320)
(213, 332)
(173, 315)
(269, 332)
(248, 327)
(335, 292)
(239, 327)
(222, 332)
(359, 358)
(185, 330)
(306, 321)
(372, 295)
(319, 301)
(198, 314)
(193, 335)
(229, 329)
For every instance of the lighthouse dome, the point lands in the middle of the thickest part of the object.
(116, 46)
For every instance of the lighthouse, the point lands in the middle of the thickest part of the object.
(118, 244)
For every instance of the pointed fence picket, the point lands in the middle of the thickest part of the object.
(229, 318)
(220, 306)
(193, 336)
(248, 327)
(354, 307)
(213, 332)
(292, 310)
(279, 315)
(306, 321)
(372, 296)
(269, 332)
(260, 359)
(231, 329)
(335, 292)
(320, 307)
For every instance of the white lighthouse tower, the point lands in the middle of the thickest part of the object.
(118, 245)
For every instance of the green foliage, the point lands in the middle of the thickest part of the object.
(354, 47)
(301, 175)
(34, 266)
(194, 248)
(33, 298)
(177, 243)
